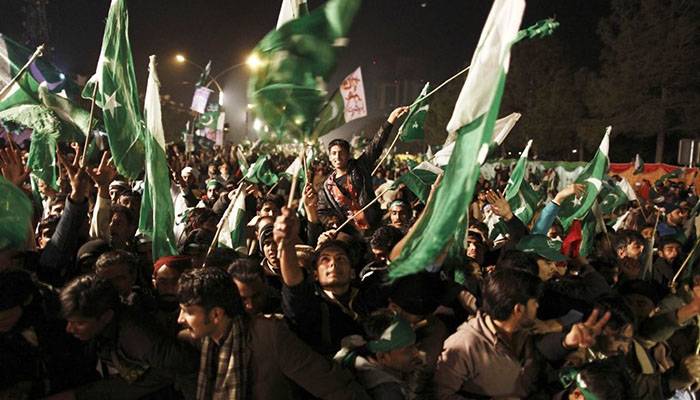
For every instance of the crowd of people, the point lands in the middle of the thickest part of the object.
(307, 310)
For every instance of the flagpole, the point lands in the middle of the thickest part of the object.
(418, 100)
(214, 242)
(673, 283)
(89, 130)
(386, 154)
(361, 210)
(289, 206)
(37, 53)
(648, 265)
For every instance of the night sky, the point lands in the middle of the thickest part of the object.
(436, 37)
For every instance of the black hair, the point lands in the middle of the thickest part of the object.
(505, 288)
(325, 245)
(208, 288)
(117, 257)
(50, 223)
(620, 314)
(666, 240)
(246, 270)
(520, 261)
(89, 296)
(385, 238)
(418, 294)
(275, 199)
(16, 286)
(625, 237)
(128, 214)
(377, 322)
(607, 379)
(344, 144)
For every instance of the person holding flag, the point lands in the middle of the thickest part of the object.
(349, 187)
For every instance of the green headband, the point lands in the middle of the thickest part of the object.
(398, 203)
(398, 334)
(572, 376)
(213, 183)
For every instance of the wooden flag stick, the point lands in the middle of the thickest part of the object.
(89, 130)
(214, 242)
(674, 282)
(37, 53)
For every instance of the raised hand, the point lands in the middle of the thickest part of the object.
(499, 205)
(577, 189)
(11, 165)
(310, 201)
(77, 177)
(105, 173)
(286, 227)
(397, 113)
(583, 334)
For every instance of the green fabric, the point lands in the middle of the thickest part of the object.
(15, 216)
(592, 176)
(287, 90)
(233, 228)
(676, 173)
(412, 127)
(474, 118)
(332, 116)
(419, 180)
(542, 246)
(611, 197)
(117, 94)
(157, 216)
(589, 229)
(523, 200)
(260, 173)
(210, 118)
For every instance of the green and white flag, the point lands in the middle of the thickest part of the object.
(412, 127)
(501, 130)
(234, 224)
(117, 94)
(15, 216)
(419, 179)
(611, 197)
(157, 211)
(523, 200)
(291, 9)
(348, 103)
(210, 118)
(260, 172)
(473, 119)
(592, 176)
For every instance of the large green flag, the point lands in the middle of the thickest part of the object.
(592, 176)
(288, 88)
(15, 216)
(260, 172)
(291, 9)
(157, 212)
(611, 197)
(210, 118)
(412, 127)
(521, 197)
(473, 119)
(233, 225)
(117, 94)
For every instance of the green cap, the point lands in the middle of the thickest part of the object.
(542, 246)
(398, 334)
(213, 184)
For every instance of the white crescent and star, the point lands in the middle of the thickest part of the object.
(111, 103)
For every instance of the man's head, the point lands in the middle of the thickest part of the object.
(399, 214)
(120, 268)
(512, 295)
(208, 300)
(383, 240)
(166, 273)
(116, 188)
(628, 243)
(189, 176)
(16, 291)
(46, 229)
(604, 379)
(475, 246)
(391, 341)
(213, 189)
(267, 245)
(88, 304)
(339, 154)
(616, 337)
(334, 270)
(669, 249)
(58, 204)
(122, 225)
(212, 171)
(415, 297)
(248, 277)
(130, 200)
(224, 170)
(550, 261)
(675, 215)
(271, 206)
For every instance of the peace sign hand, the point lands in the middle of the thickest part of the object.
(11, 165)
(583, 335)
(105, 173)
(79, 182)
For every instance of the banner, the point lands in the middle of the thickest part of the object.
(353, 91)
(200, 99)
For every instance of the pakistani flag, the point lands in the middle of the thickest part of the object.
(501, 130)
(117, 94)
(157, 212)
(675, 174)
(473, 119)
(345, 105)
(288, 88)
(210, 118)
(592, 176)
(521, 197)
(242, 161)
(260, 172)
(419, 179)
(412, 127)
(291, 9)
(15, 216)
(611, 197)
(233, 224)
